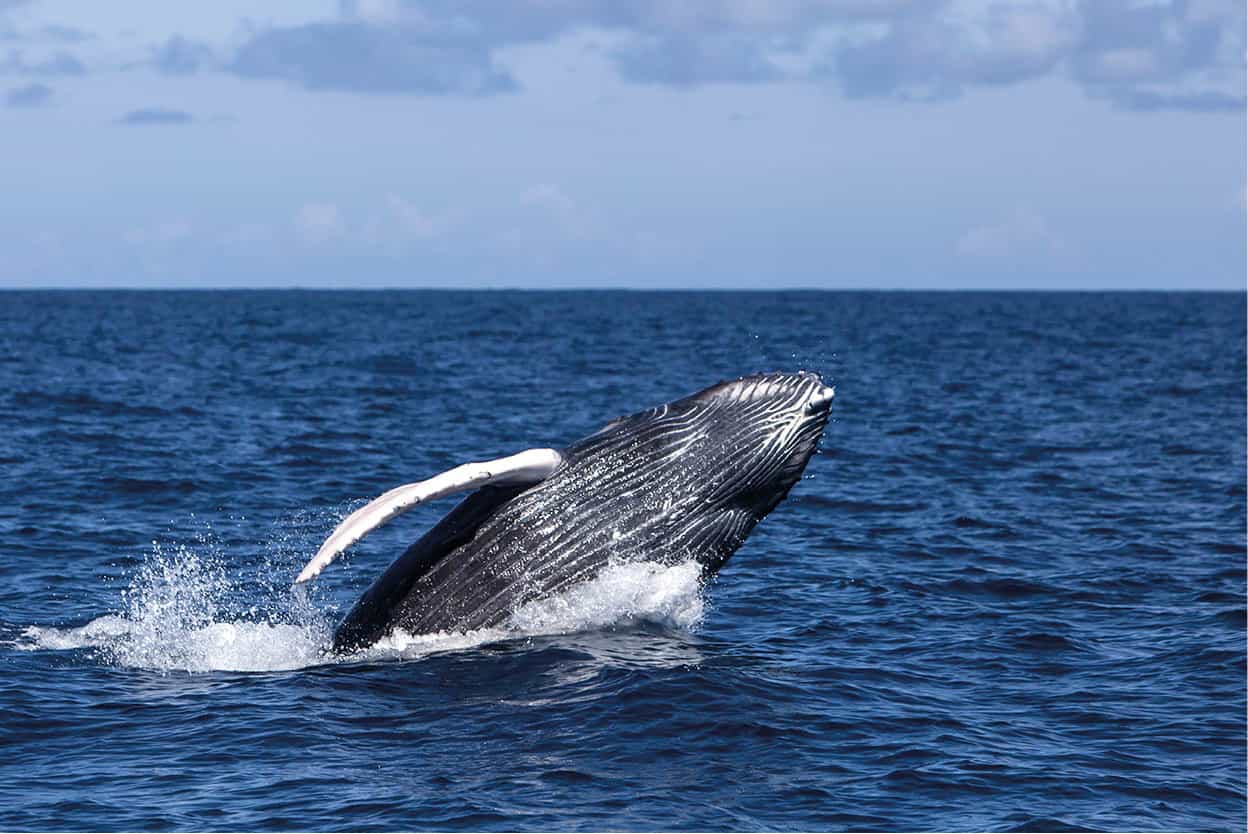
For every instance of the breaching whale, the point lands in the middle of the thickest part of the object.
(685, 480)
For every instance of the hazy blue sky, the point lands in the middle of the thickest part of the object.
(750, 143)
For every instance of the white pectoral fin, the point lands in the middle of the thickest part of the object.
(529, 466)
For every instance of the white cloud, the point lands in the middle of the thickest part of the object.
(1127, 64)
(246, 238)
(165, 231)
(398, 223)
(549, 196)
(319, 222)
(1022, 233)
(374, 10)
(553, 207)
(409, 221)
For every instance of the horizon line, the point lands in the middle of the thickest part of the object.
(636, 289)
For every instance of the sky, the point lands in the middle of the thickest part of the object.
(1040, 144)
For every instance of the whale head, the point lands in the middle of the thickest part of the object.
(766, 428)
(711, 465)
(774, 421)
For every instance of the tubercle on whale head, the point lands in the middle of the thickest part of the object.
(821, 400)
(791, 394)
(802, 386)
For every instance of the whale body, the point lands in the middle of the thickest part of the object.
(685, 480)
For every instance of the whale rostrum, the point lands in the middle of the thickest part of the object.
(685, 480)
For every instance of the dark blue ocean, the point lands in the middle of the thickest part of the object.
(1009, 594)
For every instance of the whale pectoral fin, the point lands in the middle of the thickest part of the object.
(528, 467)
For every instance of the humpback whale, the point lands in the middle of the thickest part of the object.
(685, 480)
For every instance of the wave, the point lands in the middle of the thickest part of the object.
(181, 613)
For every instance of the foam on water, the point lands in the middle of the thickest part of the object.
(238, 646)
(179, 615)
(623, 593)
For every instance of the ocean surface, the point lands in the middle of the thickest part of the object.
(1009, 594)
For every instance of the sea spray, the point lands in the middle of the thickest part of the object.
(192, 608)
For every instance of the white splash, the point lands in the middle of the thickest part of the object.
(227, 646)
(619, 595)
(178, 615)
(182, 613)
(670, 595)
